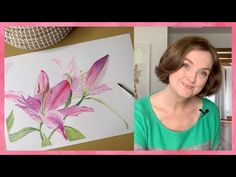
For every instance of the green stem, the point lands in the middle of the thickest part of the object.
(109, 107)
(77, 104)
(40, 130)
(64, 118)
(52, 133)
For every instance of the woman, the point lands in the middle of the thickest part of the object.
(179, 117)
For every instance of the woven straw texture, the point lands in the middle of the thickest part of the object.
(35, 38)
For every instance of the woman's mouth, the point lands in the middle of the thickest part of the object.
(187, 86)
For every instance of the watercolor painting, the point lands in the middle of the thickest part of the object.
(68, 95)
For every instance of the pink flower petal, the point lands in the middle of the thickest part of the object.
(58, 95)
(59, 62)
(54, 119)
(77, 87)
(72, 68)
(14, 96)
(33, 103)
(35, 115)
(99, 90)
(75, 83)
(75, 110)
(30, 106)
(42, 84)
(96, 72)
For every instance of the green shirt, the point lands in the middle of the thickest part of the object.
(151, 134)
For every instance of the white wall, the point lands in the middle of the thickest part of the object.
(157, 38)
(220, 37)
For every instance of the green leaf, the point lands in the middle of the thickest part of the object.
(68, 102)
(68, 78)
(73, 134)
(20, 134)
(10, 121)
(45, 140)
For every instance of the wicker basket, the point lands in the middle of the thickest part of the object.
(34, 38)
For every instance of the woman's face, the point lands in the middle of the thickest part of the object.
(190, 79)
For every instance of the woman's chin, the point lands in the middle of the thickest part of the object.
(186, 95)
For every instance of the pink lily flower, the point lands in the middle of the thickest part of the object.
(90, 84)
(71, 69)
(84, 85)
(72, 74)
(94, 77)
(45, 105)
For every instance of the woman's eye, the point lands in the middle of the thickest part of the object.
(185, 65)
(204, 74)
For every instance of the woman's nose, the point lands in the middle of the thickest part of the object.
(192, 76)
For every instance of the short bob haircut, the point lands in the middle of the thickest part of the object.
(173, 57)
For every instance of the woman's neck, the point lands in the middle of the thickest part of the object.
(175, 112)
(173, 101)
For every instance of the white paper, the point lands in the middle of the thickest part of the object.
(102, 123)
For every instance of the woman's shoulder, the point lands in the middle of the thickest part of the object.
(142, 102)
(143, 105)
(142, 109)
(207, 102)
(213, 109)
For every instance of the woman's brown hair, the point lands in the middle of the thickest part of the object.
(172, 60)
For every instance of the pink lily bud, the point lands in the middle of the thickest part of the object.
(43, 83)
(96, 73)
